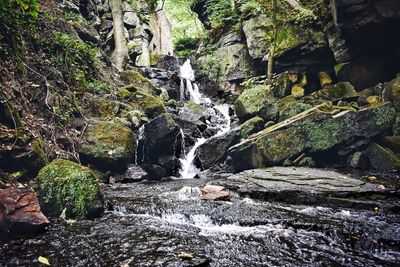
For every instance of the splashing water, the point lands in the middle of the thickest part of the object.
(189, 87)
(221, 112)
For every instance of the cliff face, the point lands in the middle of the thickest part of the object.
(147, 31)
(313, 36)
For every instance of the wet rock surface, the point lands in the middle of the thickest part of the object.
(151, 224)
(20, 212)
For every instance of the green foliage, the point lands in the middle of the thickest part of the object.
(211, 65)
(184, 22)
(253, 81)
(18, 13)
(221, 14)
(250, 8)
(185, 46)
(79, 60)
(99, 87)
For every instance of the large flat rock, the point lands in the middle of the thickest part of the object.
(301, 185)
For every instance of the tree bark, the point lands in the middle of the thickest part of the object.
(119, 57)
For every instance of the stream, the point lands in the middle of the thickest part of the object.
(151, 224)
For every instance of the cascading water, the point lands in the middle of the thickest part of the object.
(188, 87)
(220, 112)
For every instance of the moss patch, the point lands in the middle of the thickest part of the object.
(108, 145)
(65, 184)
(138, 82)
(251, 126)
(152, 106)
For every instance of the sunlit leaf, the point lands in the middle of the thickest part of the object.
(44, 260)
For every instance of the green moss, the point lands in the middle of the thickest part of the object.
(138, 82)
(251, 126)
(321, 135)
(100, 107)
(152, 106)
(289, 107)
(396, 125)
(65, 184)
(38, 149)
(384, 115)
(108, 140)
(123, 92)
(196, 108)
(154, 58)
(258, 100)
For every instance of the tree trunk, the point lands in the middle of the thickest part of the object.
(119, 57)
(271, 55)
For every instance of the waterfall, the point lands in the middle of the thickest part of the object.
(139, 138)
(220, 112)
(188, 87)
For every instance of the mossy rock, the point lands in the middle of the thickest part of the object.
(256, 101)
(137, 82)
(392, 92)
(289, 107)
(392, 142)
(251, 126)
(103, 108)
(65, 184)
(317, 132)
(135, 117)
(396, 125)
(123, 93)
(151, 106)
(382, 158)
(335, 92)
(108, 145)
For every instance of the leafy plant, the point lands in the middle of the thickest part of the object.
(18, 13)
(185, 46)
(211, 65)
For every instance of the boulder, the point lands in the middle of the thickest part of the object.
(251, 126)
(151, 106)
(255, 30)
(312, 131)
(192, 112)
(300, 185)
(235, 62)
(382, 158)
(160, 148)
(392, 92)
(256, 101)
(103, 108)
(392, 142)
(138, 82)
(63, 184)
(214, 150)
(336, 92)
(107, 145)
(20, 212)
(289, 107)
(134, 173)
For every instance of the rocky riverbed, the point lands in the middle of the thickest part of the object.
(278, 216)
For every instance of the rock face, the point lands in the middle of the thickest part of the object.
(256, 101)
(214, 150)
(67, 185)
(298, 185)
(160, 148)
(382, 158)
(314, 132)
(20, 212)
(108, 145)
